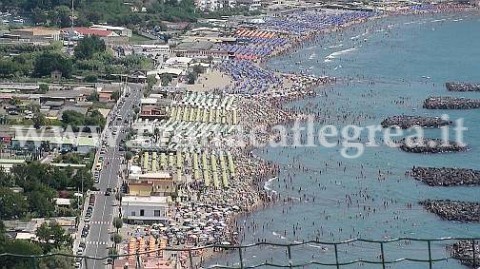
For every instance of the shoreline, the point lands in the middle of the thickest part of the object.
(258, 185)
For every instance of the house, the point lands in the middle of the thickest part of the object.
(86, 31)
(150, 209)
(37, 33)
(140, 188)
(121, 31)
(162, 183)
(178, 62)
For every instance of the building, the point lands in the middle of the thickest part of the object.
(151, 209)
(179, 62)
(37, 33)
(121, 31)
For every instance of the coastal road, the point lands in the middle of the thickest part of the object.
(105, 207)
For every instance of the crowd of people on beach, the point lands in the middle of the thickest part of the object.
(209, 215)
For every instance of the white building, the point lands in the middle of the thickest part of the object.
(150, 209)
(212, 5)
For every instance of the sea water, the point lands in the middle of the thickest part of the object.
(385, 67)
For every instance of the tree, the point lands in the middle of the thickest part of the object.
(89, 46)
(117, 223)
(52, 236)
(191, 77)
(47, 62)
(115, 95)
(12, 205)
(21, 247)
(166, 79)
(60, 16)
(116, 238)
(198, 69)
(58, 261)
(128, 155)
(43, 88)
(72, 118)
(38, 120)
(93, 97)
(41, 203)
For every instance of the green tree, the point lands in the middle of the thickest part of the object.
(21, 247)
(128, 155)
(117, 223)
(198, 69)
(93, 97)
(89, 46)
(191, 77)
(116, 238)
(60, 16)
(38, 120)
(12, 205)
(47, 62)
(72, 118)
(43, 88)
(166, 79)
(115, 95)
(52, 236)
(41, 202)
(58, 261)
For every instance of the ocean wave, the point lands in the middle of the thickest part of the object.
(338, 53)
(279, 235)
(336, 46)
(267, 184)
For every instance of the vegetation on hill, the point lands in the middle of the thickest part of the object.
(91, 58)
(118, 12)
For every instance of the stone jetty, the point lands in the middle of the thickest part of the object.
(405, 122)
(434, 176)
(447, 102)
(454, 210)
(462, 87)
(465, 251)
(428, 145)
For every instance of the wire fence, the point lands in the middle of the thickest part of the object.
(468, 254)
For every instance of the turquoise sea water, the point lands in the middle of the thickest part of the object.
(387, 67)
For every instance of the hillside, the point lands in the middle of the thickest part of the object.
(118, 12)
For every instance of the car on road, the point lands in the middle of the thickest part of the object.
(77, 265)
(107, 193)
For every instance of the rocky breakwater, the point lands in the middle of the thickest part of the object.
(427, 145)
(434, 176)
(467, 252)
(462, 87)
(454, 210)
(406, 122)
(448, 102)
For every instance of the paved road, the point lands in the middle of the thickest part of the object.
(106, 207)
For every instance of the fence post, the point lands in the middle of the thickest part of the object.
(34, 262)
(240, 254)
(430, 262)
(336, 255)
(190, 258)
(289, 250)
(382, 255)
(474, 254)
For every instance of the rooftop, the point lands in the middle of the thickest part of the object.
(144, 199)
